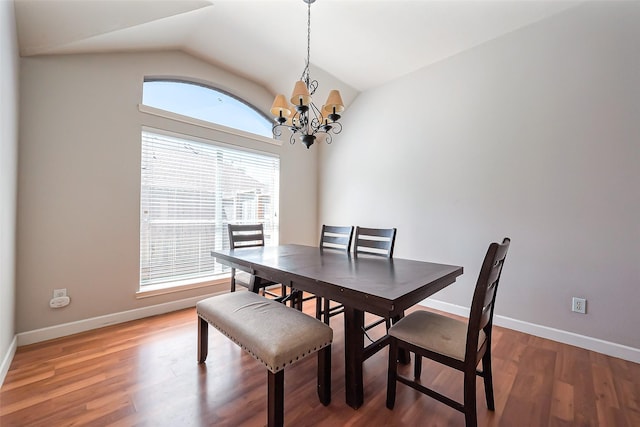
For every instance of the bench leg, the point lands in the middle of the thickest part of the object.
(324, 375)
(275, 399)
(203, 339)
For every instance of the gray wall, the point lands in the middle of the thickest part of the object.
(534, 135)
(79, 180)
(9, 62)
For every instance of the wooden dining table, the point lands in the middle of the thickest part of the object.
(361, 283)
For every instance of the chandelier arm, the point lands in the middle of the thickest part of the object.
(275, 129)
(332, 127)
(316, 111)
(336, 127)
(312, 86)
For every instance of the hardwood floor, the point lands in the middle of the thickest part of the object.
(145, 373)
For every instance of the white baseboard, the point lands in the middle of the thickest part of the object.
(594, 344)
(57, 331)
(38, 335)
(8, 357)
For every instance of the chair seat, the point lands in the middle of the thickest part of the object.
(244, 279)
(434, 332)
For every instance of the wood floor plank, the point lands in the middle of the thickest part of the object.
(562, 403)
(584, 404)
(144, 373)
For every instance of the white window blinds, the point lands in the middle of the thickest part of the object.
(190, 191)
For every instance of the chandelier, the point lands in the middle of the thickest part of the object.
(302, 117)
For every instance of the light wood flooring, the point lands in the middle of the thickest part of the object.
(145, 373)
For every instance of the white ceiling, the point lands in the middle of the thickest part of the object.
(362, 43)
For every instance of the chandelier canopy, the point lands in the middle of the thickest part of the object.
(302, 117)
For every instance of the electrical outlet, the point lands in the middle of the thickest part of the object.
(57, 293)
(579, 305)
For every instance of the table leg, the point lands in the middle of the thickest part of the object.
(353, 356)
(254, 284)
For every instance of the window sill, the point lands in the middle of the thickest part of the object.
(154, 290)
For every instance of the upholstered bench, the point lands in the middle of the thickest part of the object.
(274, 334)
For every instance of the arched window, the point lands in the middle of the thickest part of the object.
(205, 103)
(191, 186)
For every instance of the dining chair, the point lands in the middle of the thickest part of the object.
(454, 343)
(247, 236)
(378, 242)
(337, 238)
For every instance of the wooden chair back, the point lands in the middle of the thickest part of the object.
(484, 297)
(336, 237)
(375, 241)
(245, 235)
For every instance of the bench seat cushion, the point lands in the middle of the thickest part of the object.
(271, 332)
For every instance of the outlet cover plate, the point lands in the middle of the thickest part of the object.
(579, 305)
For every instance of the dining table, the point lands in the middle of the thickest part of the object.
(361, 283)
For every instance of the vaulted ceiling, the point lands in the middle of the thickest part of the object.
(362, 43)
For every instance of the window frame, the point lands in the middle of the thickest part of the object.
(163, 122)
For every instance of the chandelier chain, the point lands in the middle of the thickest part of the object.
(308, 36)
(306, 74)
